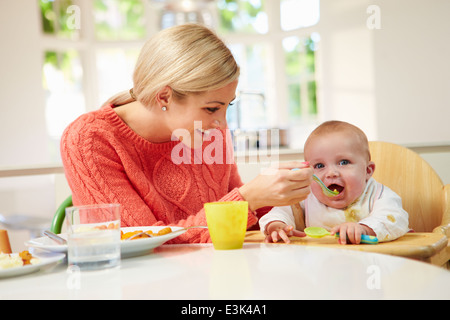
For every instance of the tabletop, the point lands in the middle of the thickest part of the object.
(424, 246)
(257, 271)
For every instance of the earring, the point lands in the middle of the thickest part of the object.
(164, 108)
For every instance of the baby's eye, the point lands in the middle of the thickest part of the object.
(318, 166)
(344, 162)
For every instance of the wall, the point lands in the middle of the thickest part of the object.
(346, 76)
(22, 121)
(393, 82)
(412, 71)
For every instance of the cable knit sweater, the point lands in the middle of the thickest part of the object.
(105, 161)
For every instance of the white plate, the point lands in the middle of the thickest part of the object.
(45, 259)
(129, 248)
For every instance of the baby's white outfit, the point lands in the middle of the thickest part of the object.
(378, 207)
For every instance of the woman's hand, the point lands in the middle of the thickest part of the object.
(352, 232)
(278, 230)
(278, 186)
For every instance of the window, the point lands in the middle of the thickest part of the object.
(297, 14)
(300, 74)
(62, 70)
(56, 19)
(244, 16)
(85, 63)
(119, 20)
(268, 98)
(62, 81)
(249, 112)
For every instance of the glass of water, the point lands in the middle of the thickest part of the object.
(93, 236)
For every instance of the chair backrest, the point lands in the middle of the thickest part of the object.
(60, 214)
(414, 180)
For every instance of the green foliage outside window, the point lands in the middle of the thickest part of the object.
(55, 15)
(240, 15)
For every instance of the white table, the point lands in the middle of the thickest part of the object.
(258, 271)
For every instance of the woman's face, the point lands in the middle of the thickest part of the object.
(196, 114)
(342, 164)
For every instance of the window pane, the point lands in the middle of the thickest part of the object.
(249, 112)
(60, 18)
(312, 99)
(115, 70)
(173, 13)
(299, 13)
(300, 73)
(119, 19)
(62, 82)
(294, 100)
(245, 16)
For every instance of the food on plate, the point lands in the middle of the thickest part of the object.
(147, 234)
(14, 260)
(164, 231)
(108, 227)
(26, 257)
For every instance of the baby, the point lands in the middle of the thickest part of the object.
(339, 155)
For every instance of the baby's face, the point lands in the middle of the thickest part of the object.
(342, 164)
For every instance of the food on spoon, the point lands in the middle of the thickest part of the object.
(336, 188)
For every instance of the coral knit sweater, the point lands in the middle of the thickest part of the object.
(107, 162)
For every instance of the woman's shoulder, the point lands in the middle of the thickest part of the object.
(93, 119)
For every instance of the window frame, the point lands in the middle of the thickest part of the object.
(87, 46)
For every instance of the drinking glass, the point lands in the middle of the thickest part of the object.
(93, 236)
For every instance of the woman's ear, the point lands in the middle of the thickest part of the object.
(164, 96)
(370, 170)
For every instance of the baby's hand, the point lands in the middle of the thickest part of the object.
(278, 230)
(352, 232)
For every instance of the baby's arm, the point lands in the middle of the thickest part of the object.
(388, 219)
(278, 224)
(278, 230)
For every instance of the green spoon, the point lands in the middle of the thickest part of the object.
(322, 185)
(325, 190)
(318, 232)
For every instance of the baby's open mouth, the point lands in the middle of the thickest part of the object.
(336, 187)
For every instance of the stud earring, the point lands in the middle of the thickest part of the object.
(164, 108)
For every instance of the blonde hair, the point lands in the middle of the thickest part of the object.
(189, 58)
(330, 127)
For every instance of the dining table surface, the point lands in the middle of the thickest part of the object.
(429, 247)
(304, 269)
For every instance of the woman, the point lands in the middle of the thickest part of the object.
(156, 149)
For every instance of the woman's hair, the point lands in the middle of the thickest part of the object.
(189, 58)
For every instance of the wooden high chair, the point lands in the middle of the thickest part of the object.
(423, 193)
